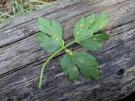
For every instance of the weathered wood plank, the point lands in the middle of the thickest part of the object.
(28, 30)
(21, 57)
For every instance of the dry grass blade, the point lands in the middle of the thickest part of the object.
(11, 8)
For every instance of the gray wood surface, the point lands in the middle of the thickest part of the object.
(21, 56)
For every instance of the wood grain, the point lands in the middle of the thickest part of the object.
(21, 56)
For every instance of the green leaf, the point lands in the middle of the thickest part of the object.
(69, 68)
(51, 37)
(73, 63)
(101, 37)
(90, 44)
(81, 31)
(87, 64)
(102, 21)
(49, 44)
(86, 27)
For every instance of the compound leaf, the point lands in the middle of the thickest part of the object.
(69, 68)
(50, 39)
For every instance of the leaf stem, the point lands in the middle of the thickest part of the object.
(49, 59)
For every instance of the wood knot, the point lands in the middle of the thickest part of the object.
(120, 72)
